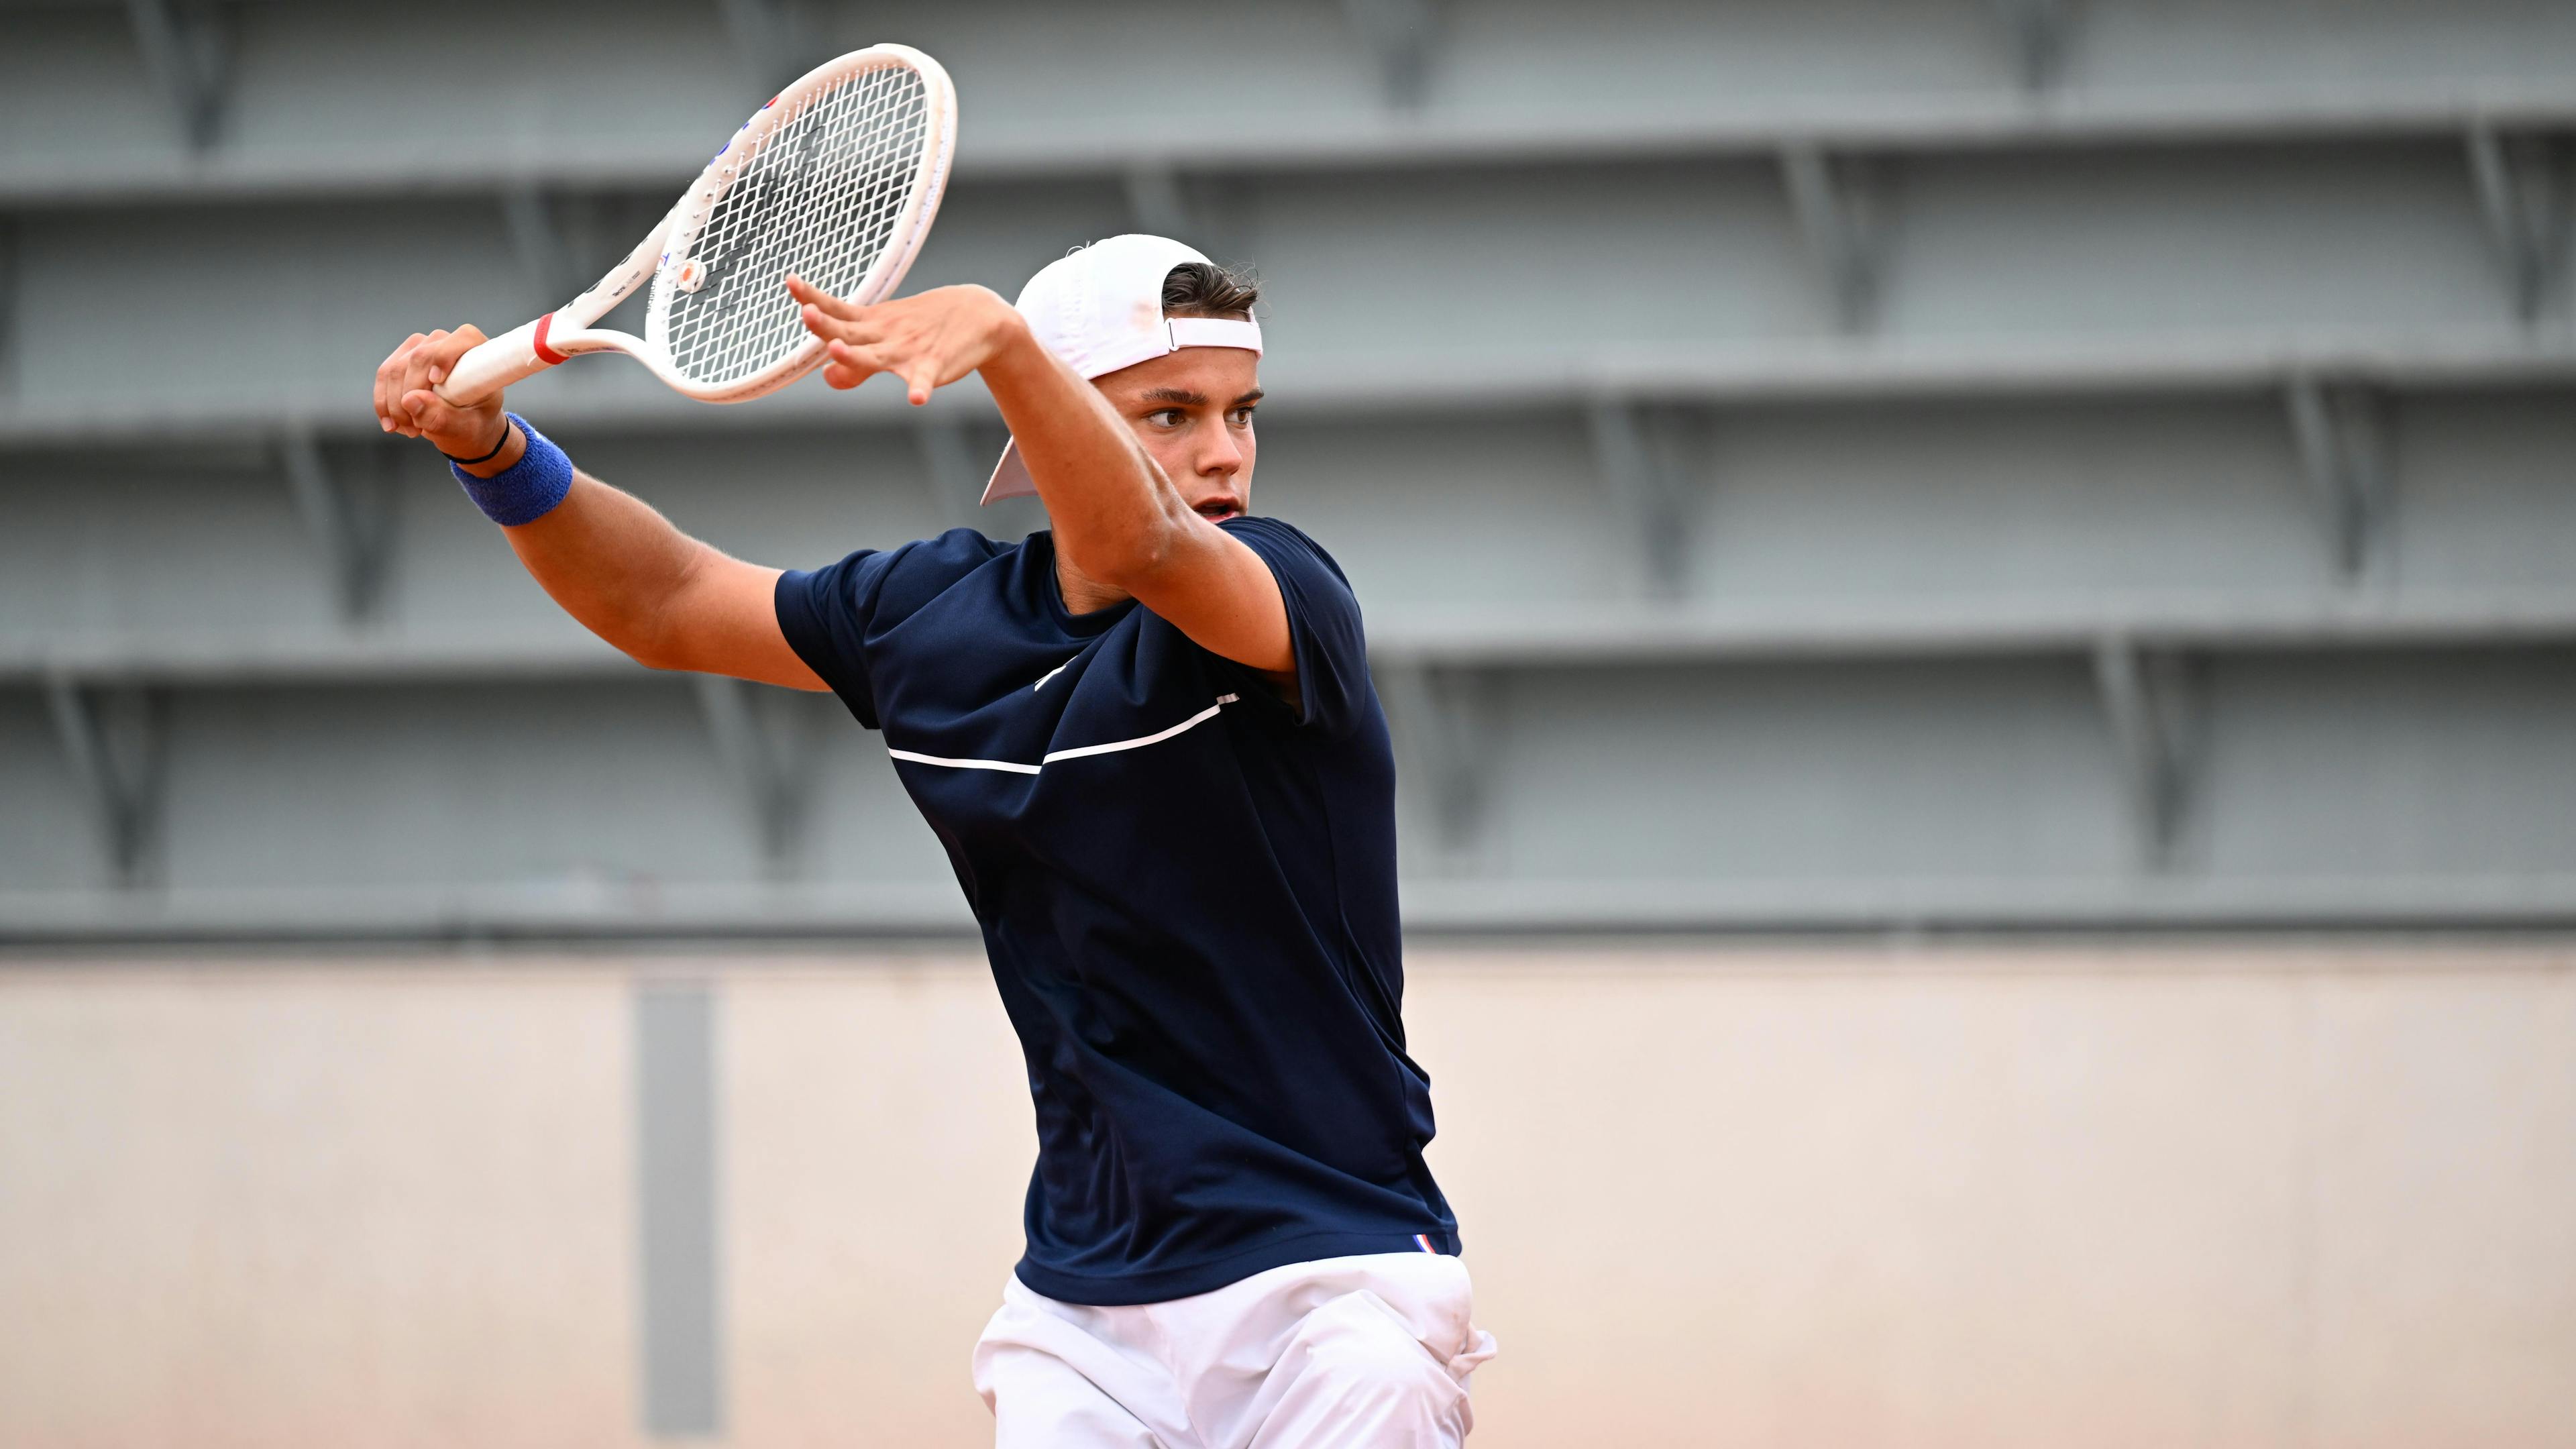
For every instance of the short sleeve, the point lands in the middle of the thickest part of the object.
(832, 614)
(825, 614)
(1324, 629)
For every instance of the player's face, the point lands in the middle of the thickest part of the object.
(1192, 409)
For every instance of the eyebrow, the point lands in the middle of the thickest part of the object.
(1183, 397)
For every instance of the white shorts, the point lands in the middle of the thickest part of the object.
(1344, 1352)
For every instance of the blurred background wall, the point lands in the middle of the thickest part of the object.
(1880, 469)
(2133, 1195)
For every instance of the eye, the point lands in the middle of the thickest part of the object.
(1164, 417)
(1243, 417)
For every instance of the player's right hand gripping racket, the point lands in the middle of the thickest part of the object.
(836, 180)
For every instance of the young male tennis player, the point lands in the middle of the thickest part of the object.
(1149, 742)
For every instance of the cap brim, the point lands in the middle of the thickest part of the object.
(1010, 476)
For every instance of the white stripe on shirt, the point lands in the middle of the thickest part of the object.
(1014, 767)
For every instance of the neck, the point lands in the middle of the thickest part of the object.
(1084, 594)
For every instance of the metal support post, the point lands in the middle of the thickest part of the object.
(536, 234)
(2342, 433)
(1831, 199)
(184, 48)
(351, 518)
(955, 466)
(116, 742)
(2150, 705)
(765, 740)
(1156, 201)
(1399, 35)
(1641, 458)
(1447, 724)
(770, 37)
(2039, 31)
(1208, 212)
(2523, 191)
(9, 304)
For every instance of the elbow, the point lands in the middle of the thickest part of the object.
(653, 655)
(667, 638)
(1130, 554)
(1128, 570)
(657, 628)
(654, 649)
(1132, 563)
(653, 638)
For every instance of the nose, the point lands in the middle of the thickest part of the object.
(1220, 456)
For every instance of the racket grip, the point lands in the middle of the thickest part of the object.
(496, 364)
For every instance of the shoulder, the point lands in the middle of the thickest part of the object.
(957, 552)
(1283, 544)
(922, 570)
(832, 615)
(895, 581)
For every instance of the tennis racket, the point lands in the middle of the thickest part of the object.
(836, 179)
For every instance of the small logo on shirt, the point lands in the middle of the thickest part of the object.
(1424, 1239)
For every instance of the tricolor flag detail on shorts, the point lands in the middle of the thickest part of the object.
(1425, 1240)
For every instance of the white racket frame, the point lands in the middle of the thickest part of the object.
(568, 331)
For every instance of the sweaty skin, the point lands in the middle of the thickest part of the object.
(1136, 469)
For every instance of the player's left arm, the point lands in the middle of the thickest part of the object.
(1117, 517)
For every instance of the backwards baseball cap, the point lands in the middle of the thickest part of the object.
(1100, 308)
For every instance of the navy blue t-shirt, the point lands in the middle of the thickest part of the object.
(1187, 891)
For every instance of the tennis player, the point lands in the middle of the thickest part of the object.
(1148, 740)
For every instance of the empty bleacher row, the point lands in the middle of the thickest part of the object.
(1837, 465)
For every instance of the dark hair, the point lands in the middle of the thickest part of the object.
(1201, 289)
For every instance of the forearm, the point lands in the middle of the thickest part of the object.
(616, 565)
(1114, 513)
(661, 596)
(1116, 516)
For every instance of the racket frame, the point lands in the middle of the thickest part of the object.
(570, 330)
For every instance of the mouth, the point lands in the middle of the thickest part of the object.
(1218, 510)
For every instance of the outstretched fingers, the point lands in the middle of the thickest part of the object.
(920, 378)
(850, 365)
(860, 328)
(928, 341)
(816, 298)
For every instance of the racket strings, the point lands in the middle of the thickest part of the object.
(820, 198)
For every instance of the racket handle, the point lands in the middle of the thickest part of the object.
(497, 363)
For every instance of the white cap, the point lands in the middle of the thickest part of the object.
(1100, 308)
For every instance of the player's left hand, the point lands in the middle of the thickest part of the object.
(929, 340)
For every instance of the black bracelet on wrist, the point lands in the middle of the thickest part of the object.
(486, 458)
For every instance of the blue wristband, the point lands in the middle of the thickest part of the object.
(528, 489)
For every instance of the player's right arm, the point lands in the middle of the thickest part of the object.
(662, 597)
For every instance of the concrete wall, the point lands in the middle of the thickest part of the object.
(1995, 1196)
